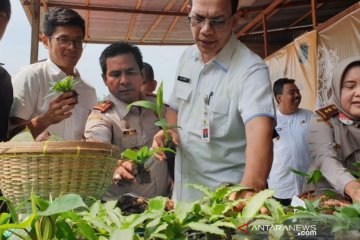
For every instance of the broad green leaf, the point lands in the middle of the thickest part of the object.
(201, 188)
(157, 204)
(183, 209)
(64, 231)
(64, 203)
(330, 193)
(11, 209)
(303, 174)
(224, 192)
(206, 228)
(219, 209)
(275, 208)
(129, 154)
(94, 209)
(350, 212)
(314, 177)
(144, 104)
(123, 234)
(23, 225)
(158, 230)
(85, 230)
(255, 203)
(309, 206)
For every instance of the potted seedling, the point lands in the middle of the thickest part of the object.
(327, 200)
(65, 85)
(141, 161)
(158, 108)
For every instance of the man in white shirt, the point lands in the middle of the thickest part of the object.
(223, 104)
(291, 146)
(34, 106)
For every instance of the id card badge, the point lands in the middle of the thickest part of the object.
(205, 125)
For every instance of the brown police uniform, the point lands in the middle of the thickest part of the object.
(325, 145)
(111, 122)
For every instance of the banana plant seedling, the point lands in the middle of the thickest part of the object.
(158, 108)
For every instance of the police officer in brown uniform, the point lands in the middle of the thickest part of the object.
(111, 121)
(334, 137)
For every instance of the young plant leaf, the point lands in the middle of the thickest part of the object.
(303, 174)
(62, 204)
(255, 203)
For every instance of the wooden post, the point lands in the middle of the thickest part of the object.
(266, 43)
(313, 13)
(35, 27)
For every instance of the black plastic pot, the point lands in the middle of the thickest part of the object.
(170, 158)
(141, 174)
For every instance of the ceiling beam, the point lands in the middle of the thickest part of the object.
(175, 20)
(158, 20)
(305, 15)
(313, 13)
(35, 28)
(259, 17)
(132, 21)
(110, 9)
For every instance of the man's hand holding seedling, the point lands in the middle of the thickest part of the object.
(159, 141)
(124, 171)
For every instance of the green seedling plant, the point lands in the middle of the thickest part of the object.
(65, 85)
(140, 160)
(158, 108)
(139, 157)
(311, 178)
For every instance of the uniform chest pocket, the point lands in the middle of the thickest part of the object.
(219, 113)
(183, 92)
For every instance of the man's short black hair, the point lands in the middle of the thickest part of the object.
(148, 72)
(62, 17)
(5, 7)
(279, 85)
(234, 6)
(119, 48)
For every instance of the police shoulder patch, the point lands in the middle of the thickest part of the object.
(327, 112)
(103, 106)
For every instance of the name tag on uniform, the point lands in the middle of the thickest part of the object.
(130, 132)
(183, 79)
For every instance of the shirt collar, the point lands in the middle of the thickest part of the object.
(122, 107)
(223, 58)
(57, 71)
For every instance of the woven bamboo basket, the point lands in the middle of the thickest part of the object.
(55, 168)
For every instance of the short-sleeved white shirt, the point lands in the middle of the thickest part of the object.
(241, 90)
(291, 150)
(32, 97)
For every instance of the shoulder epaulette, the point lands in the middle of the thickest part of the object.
(327, 112)
(104, 106)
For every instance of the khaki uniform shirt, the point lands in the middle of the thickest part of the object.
(128, 129)
(325, 149)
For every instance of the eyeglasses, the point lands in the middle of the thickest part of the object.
(198, 21)
(65, 43)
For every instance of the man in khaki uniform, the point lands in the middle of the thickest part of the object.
(111, 121)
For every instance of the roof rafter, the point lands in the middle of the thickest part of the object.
(158, 20)
(175, 20)
(259, 17)
(111, 9)
(132, 21)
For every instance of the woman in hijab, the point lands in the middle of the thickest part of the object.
(334, 134)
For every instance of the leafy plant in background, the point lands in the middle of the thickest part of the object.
(48, 220)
